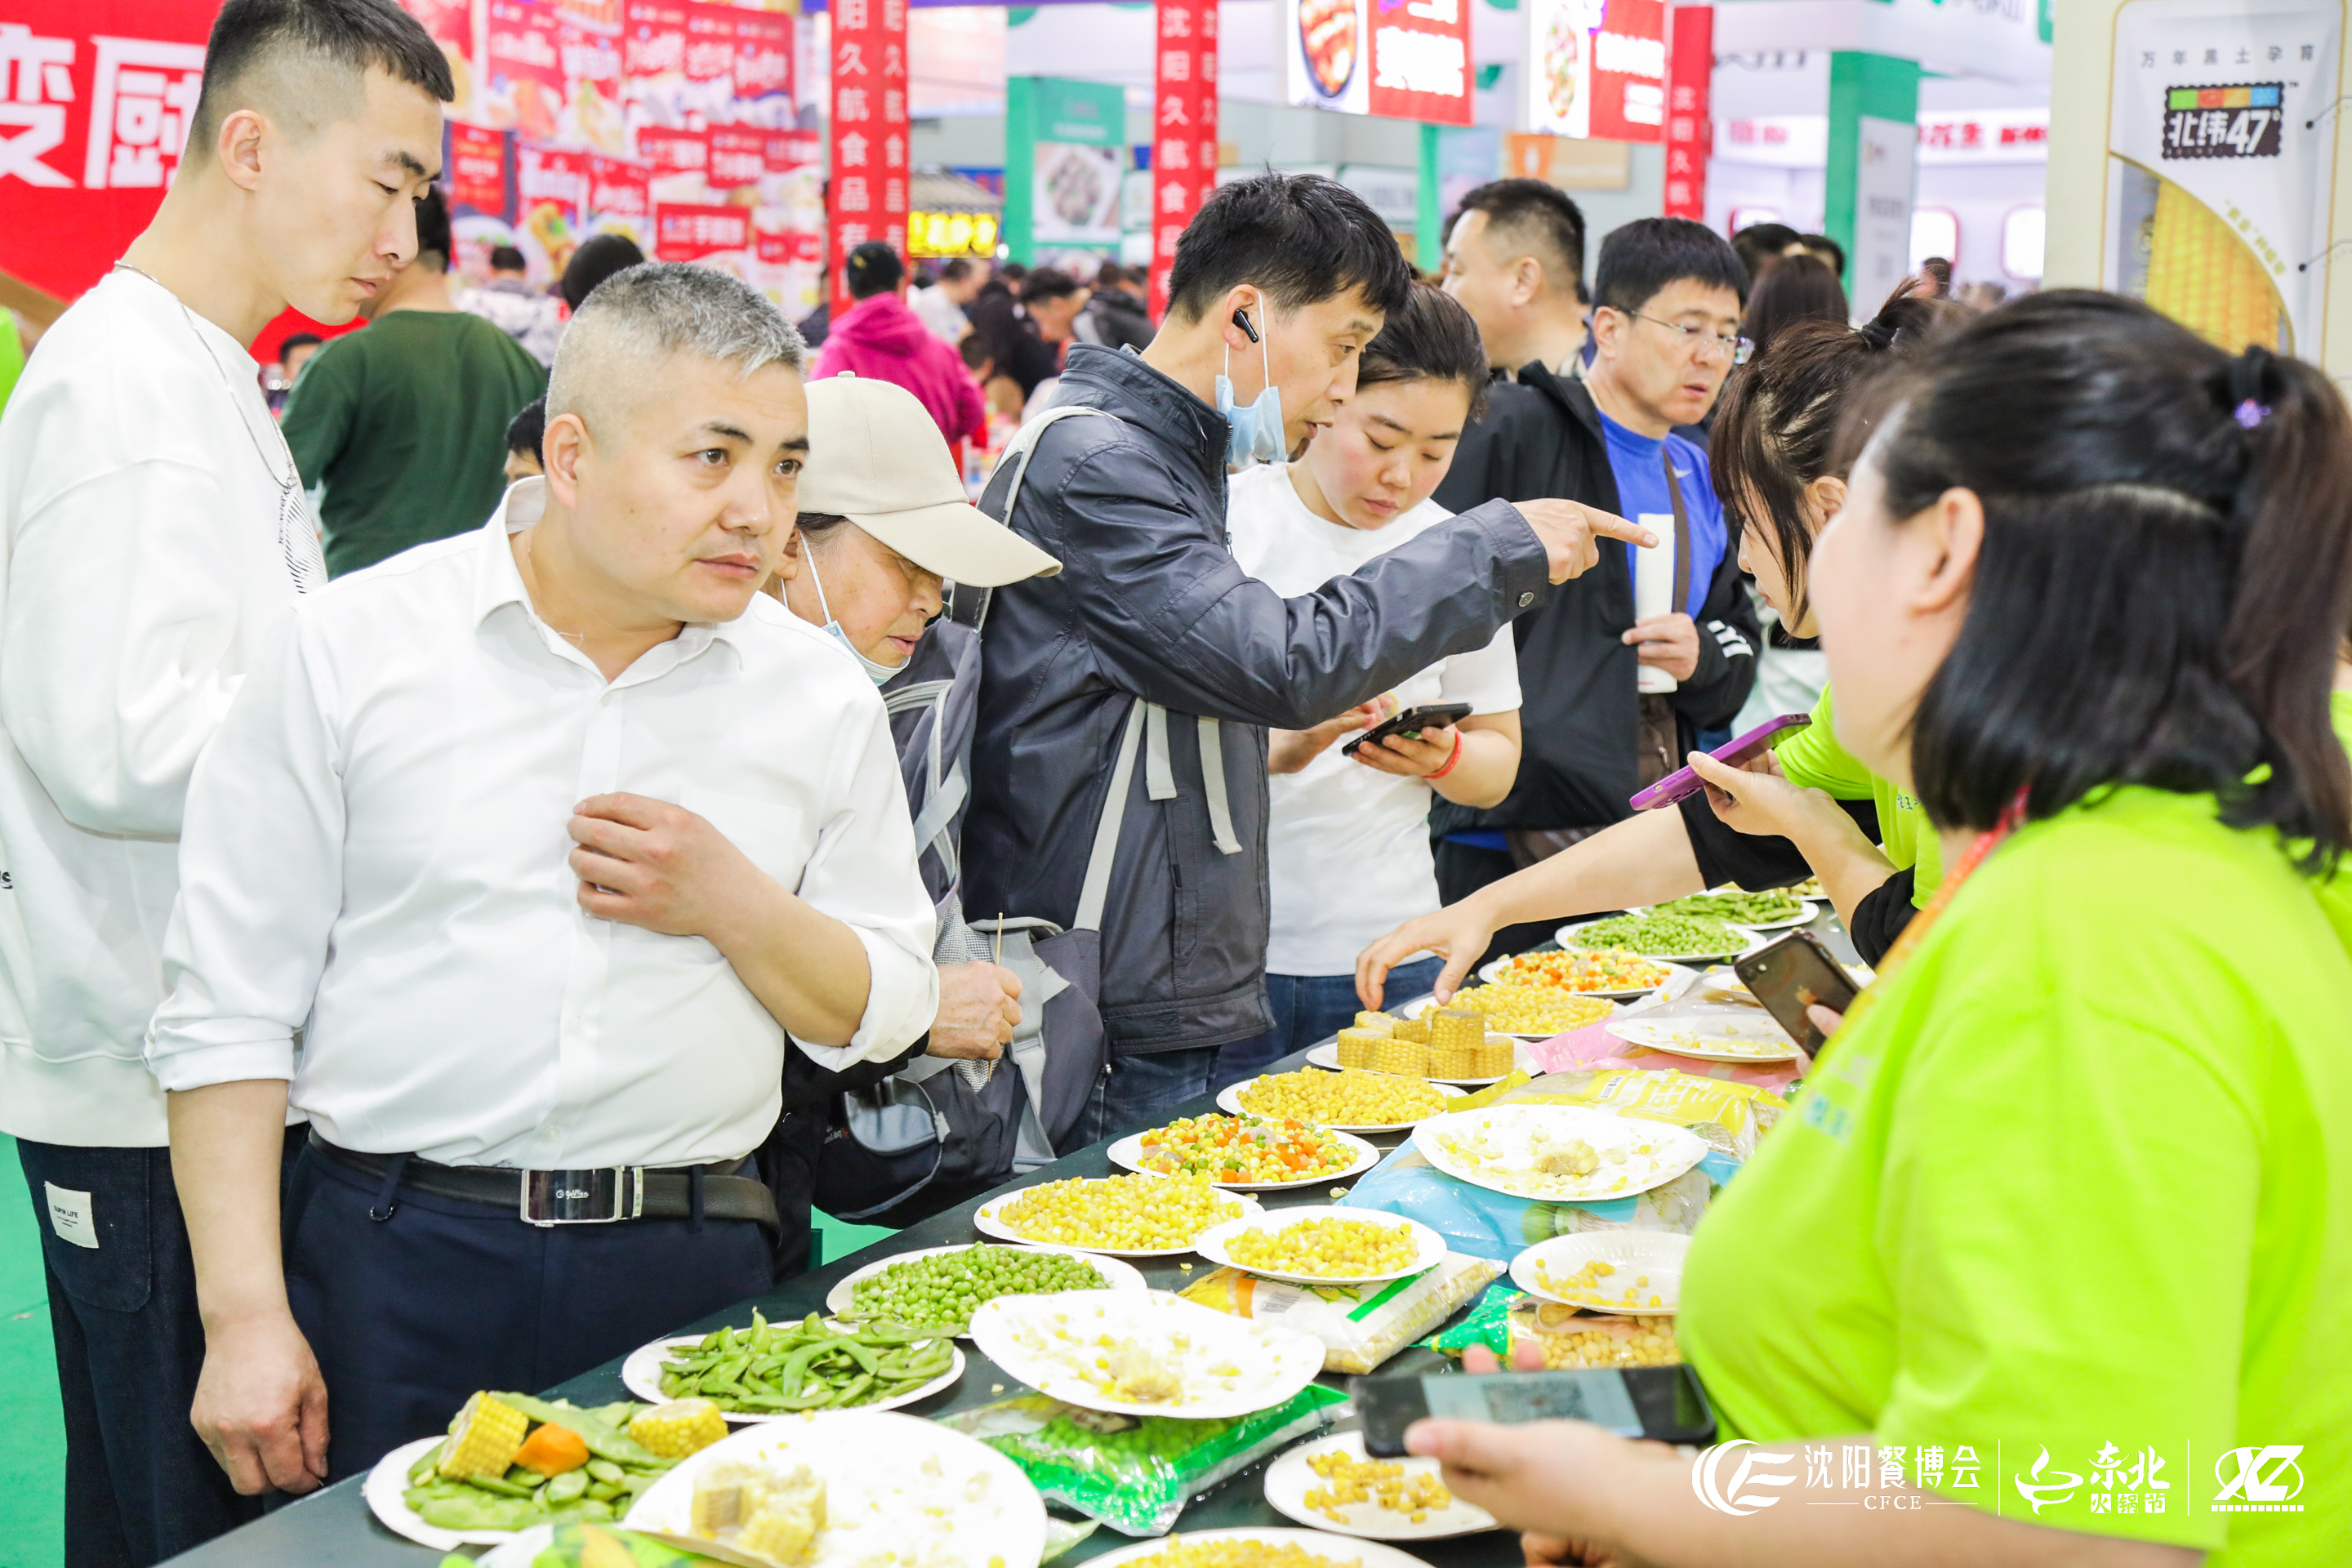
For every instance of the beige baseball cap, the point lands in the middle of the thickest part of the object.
(876, 457)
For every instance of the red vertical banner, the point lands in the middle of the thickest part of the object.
(764, 89)
(478, 169)
(1690, 126)
(1629, 72)
(869, 131)
(1184, 129)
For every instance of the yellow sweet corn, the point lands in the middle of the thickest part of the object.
(680, 1427)
(482, 1439)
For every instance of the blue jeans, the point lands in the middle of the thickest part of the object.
(1137, 1092)
(1309, 1009)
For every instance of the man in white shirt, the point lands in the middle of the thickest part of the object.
(941, 306)
(152, 528)
(550, 839)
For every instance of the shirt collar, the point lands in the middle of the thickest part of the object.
(497, 583)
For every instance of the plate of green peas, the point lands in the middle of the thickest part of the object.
(942, 1287)
(770, 1371)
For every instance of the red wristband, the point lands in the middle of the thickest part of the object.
(1450, 761)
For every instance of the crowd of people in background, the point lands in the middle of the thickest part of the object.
(683, 779)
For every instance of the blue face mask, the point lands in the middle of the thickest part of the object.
(1257, 435)
(876, 673)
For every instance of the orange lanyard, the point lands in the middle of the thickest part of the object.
(1914, 932)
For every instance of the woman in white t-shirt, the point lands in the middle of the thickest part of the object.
(1348, 839)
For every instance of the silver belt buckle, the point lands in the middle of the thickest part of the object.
(595, 1196)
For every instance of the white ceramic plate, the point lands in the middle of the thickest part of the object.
(985, 1222)
(1675, 972)
(1428, 1247)
(1051, 1342)
(1322, 1543)
(1229, 1099)
(1574, 936)
(1758, 1039)
(641, 1374)
(1326, 1056)
(1492, 1149)
(1289, 1478)
(876, 1494)
(1415, 1009)
(384, 1488)
(1116, 1276)
(1129, 1150)
(1656, 1256)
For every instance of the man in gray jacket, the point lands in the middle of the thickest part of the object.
(1153, 642)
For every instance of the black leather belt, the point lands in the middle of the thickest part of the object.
(599, 1195)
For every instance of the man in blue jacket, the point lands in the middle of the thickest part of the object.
(1154, 643)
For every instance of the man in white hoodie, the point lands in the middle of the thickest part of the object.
(152, 528)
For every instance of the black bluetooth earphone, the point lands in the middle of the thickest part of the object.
(1241, 319)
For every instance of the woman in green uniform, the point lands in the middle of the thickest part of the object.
(1779, 473)
(2070, 1194)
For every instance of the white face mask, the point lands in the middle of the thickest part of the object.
(876, 673)
(1257, 435)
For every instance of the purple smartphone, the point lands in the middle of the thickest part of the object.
(1683, 784)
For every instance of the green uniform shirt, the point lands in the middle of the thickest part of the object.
(2080, 1180)
(1813, 758)
(2335, 893)
(405, 422)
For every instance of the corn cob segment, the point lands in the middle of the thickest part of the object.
(482, 1439)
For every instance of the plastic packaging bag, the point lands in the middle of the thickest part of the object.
(1506, 1318)
(1136, 1473)
(1361, 1325)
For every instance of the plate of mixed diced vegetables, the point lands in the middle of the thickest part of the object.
(1247, 1153)
(509, 1461)
(1584, 972)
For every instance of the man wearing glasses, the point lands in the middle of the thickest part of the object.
(1622, 668)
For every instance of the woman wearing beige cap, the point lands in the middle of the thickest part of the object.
(884, 526)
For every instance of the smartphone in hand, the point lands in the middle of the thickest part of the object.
(1790, 974)
(1664, 1402)
(1685, 781)
(1411, 723)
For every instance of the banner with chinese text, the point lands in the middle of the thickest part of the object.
(1690, 126)
(869, 131)
(1184, 129)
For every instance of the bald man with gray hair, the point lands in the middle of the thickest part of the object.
(552, 839)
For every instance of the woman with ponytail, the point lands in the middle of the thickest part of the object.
(2064, 1215)
(1778, 472)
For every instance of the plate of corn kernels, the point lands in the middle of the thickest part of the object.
(1636, 1273)
(1558, 1153)
(1332, 1485)
(1520, 1011)
(1125, 1216)
(1323, 1243)
(1353, 1100)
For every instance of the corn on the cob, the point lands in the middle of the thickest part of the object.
(483, 1438)
(2204, 277)
(680, 1427)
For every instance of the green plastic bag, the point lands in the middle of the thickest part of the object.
(1136, 1473)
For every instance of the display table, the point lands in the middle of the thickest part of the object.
(334, 1525)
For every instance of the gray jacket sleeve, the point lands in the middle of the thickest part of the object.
(1171, 616)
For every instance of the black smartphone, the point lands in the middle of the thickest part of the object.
(1411, 723)
(1665, 1403)
(1790, 974)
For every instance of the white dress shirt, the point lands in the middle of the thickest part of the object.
(146, 546)
(375, 854)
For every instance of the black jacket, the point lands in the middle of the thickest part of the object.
(1580, 712)
(1151, 603)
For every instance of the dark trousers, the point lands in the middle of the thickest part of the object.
(138, 1485)
(1137, 1092)
(410, 1314)
(1461, 871)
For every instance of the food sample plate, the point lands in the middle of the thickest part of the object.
(1747, 941)
(1528, 1151)
(1758, 1039)
(986, 1221)
(1340, 1550)
(1292, 1476)
(892, 1483)
(1187, 1360)
(641, 1374)
(1116, 1276)
(1230, 1098)
(386, 1490)
(1647, 1262)
(1428, 1247)
(1326, 1056)
(1419, 1005)
(1128, 1154)
(1734, 914)
(1501, 971)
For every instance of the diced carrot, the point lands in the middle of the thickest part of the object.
(551, 1450)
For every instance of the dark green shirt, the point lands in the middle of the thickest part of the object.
(405, 422)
